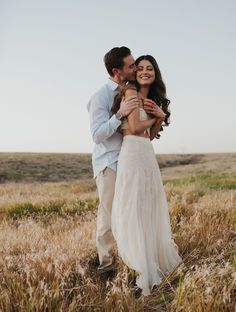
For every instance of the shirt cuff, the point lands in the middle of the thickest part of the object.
(115, 122)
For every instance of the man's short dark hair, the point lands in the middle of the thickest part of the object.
(114, 58)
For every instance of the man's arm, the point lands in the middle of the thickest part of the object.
(101, 125)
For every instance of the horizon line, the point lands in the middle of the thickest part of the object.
(90, 153)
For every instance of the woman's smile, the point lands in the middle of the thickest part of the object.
(145, 77)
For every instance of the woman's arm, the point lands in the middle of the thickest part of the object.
(155, 111)
(137, 126)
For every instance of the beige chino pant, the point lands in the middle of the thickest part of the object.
(105, 182)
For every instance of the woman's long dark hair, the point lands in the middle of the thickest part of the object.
(157, 91)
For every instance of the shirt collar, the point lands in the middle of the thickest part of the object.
(113, 85)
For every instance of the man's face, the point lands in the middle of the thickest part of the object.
(128, 72)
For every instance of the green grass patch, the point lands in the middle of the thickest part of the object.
(79, 207)
(209, 179)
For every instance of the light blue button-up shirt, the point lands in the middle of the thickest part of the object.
(103, 128)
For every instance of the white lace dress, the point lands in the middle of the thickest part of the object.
(140, 219)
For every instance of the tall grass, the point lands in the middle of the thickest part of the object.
(48, 257)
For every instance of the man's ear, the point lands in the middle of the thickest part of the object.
(115, 71)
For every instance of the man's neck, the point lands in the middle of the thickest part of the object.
(117, 80)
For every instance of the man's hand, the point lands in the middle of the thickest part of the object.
(153, 109)
(128, 105)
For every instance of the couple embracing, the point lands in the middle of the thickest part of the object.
(126, 114)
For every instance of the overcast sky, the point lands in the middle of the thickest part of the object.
(51, 62)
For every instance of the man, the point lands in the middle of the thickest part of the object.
(121, 68)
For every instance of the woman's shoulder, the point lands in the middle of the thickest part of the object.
(130, 85)
(129, 89)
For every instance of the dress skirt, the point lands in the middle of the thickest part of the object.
(140, 219)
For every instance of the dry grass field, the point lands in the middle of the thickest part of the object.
(48, 257)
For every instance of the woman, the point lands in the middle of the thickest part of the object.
(140, 219)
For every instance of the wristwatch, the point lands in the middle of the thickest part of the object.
(119, 116)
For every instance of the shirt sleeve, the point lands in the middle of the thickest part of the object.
(102, 126)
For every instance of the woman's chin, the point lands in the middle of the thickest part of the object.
(144, 83)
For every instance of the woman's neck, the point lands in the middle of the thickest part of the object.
(143, 91)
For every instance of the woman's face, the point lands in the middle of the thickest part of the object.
(145, 73)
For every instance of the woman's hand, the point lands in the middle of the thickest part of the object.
(153, 109)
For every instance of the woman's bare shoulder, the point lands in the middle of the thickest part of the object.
(130, 90)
